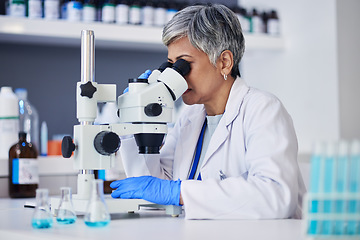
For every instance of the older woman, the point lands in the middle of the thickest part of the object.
(232, 154)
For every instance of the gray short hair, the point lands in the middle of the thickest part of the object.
(211, 29)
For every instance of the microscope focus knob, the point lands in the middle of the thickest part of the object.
(67, 147)
(153, 110)
(87, 90)
(106, 143)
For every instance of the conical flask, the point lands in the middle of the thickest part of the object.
(42, 217)
(66, 213)
(97, 214)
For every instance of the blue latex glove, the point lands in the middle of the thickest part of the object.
(152, 189)
(144, 75)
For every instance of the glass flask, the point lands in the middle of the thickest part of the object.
(42, 217)
(97, 214)
(66, 213)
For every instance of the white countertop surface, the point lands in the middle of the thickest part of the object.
(15, 223)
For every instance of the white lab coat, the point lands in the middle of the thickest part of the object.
(254, 145)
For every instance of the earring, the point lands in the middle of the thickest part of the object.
(225, 76)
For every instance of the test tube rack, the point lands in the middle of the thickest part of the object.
(331, 216)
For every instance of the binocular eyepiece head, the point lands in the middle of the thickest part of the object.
(181, 66)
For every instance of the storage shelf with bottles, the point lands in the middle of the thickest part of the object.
(114, 36)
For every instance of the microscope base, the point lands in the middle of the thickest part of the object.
(116, 205)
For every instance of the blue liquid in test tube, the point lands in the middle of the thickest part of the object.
(354, 187)
(341, 186)
(328, 185)
(316, 174)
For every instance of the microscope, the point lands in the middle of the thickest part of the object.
(143, 111)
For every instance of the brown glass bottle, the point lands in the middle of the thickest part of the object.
(23, 169)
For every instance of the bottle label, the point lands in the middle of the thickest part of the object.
(25, 171)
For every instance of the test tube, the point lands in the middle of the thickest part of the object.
(354, 188)
(341, 182)
(328, 187)
(315, 186)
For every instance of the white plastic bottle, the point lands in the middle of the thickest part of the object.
(17, 8)
(51, 9)
(28, 118)
(35, 9)
(148, 14)
(74, 11)
(273, 25)
(160, 14)
(108, 11)
(122, 12)
(135, 13)
(9, 121)
(89, 11)
(256, 22)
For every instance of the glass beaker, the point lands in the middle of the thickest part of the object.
(66, 213)
(42, 217)
(97, 214)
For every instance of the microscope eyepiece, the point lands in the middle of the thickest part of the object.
(164, 66)
(182, 67)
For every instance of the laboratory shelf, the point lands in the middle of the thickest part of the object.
(113, 36)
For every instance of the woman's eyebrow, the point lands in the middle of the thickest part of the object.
(179, 57)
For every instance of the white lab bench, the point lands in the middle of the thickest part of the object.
(147, 224)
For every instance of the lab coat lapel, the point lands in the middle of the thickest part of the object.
(232, 109)
(189, 136)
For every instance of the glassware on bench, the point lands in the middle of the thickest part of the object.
(97, 214)
(66, 213)
(42, 217)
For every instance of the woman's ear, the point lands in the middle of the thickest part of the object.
(226, 61)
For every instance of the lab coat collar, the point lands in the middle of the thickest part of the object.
(237, 93)
(236, 96)
(232, 109)
(196, 119)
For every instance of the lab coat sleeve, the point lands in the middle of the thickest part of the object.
(157, 165)
(269, 188)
